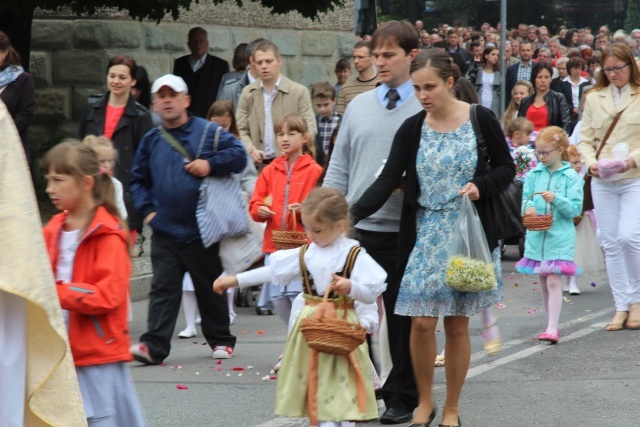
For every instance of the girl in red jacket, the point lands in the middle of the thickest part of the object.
(88, 248)
(281, 187)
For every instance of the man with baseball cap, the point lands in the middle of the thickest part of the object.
(165, 186)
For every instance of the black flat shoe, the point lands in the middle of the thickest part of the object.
(427, 423)
(449, 425)
(396, 416)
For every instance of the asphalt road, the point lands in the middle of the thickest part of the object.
(591, 378)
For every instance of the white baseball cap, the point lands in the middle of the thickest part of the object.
(174, 82)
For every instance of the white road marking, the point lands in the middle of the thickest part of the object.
(492, 363)
(282, 422)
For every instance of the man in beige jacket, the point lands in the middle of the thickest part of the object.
(267, 99)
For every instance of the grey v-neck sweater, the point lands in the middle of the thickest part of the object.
(361, 150)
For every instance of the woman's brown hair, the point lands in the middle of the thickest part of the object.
(79, 160)
(295, 122)
(125, 60)
(13, 57)
(440, 61)
(622, 52)
(240, 60)
(487, 51)
(222, 108)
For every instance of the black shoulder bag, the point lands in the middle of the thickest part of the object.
(506, 205)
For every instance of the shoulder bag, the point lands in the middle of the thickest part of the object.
(587, 202)
(221, 212)
(506, 205)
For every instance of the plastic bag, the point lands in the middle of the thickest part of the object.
(609, 168)
(469, 267)
(237, 254)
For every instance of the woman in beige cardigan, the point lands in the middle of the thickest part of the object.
(616, 202)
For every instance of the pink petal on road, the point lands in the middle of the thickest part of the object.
(501, 306)
(237, 368)
(182, 387)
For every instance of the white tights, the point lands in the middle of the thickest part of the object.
(552, 300)
(336, 424)
(190, 304)
(283, 308)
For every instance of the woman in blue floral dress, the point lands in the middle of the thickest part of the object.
(437, 152)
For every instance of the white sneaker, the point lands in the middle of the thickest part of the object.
(574, 291)
(198, 321)
(222, 352)
(187, 333)
(565, 287)
(232, 317)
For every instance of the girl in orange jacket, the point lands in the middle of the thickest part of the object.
(281, 188)
(88, 248)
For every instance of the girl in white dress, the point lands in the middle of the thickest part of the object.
(339, 395)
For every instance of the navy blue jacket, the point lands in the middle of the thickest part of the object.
(160, 183)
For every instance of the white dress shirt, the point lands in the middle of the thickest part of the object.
(196, 64)
(269, 137)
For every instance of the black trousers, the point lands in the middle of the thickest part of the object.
(170, 261)
(399, 390)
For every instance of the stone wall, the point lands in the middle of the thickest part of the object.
(69, 59)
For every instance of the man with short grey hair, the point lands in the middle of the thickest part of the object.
(201, 71)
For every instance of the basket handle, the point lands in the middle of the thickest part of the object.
(533, 194)
(325, 299)
(295, 222)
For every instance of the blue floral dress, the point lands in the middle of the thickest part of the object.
(445, 163)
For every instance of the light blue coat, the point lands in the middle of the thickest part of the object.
(559, 242)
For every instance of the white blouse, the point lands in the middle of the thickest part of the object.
(368, 279)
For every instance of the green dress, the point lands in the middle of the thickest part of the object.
(337, 397)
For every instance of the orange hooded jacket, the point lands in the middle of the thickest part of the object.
(97, 299)
(277, 187)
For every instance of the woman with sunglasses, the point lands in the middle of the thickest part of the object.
(617, 90)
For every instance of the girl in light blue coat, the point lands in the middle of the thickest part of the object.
(550, 253)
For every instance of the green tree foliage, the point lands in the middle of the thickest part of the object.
(157, 9)
(632, 20)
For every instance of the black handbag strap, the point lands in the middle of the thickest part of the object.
(482, 144)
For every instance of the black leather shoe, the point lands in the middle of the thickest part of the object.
(447, 425)
(396, 416)
(426, 424)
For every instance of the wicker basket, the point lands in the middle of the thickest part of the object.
(538, 222)
(332, 335)
(289, 239)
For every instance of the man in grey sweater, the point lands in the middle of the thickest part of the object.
(366, 134)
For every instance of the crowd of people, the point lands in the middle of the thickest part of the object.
(359, 186)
